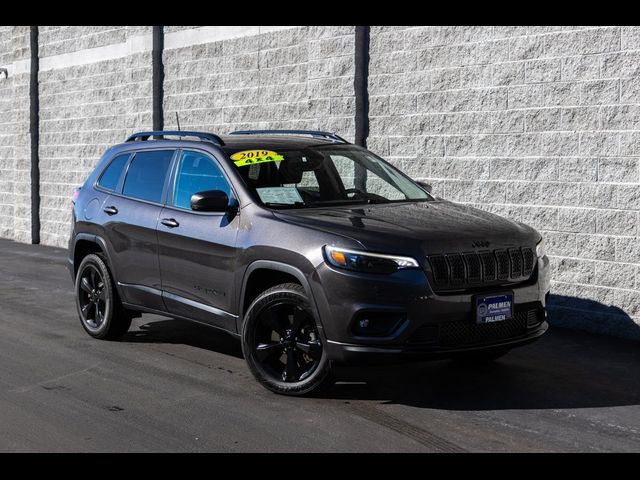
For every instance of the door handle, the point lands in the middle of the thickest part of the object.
(170, 222)
(110, 210)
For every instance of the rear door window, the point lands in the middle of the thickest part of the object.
(111, 176)
(147, 174)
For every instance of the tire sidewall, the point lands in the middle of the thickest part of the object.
(103, 330)
(291, 294)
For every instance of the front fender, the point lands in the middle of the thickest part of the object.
(280, 267)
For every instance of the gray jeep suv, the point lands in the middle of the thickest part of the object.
(311, 250)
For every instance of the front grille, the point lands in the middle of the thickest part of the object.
(529, 260)
(515, 256)
(465, 333)
(455, 270)
(440, 269)
(489, 267)
(424, 335)
(474, 268)
(503, 264)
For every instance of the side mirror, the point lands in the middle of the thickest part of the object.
(210, 201)
(425, 186)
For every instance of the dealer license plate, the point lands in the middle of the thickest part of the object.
(497, 308)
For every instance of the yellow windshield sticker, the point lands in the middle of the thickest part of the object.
(252, 157)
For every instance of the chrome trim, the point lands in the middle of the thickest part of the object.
(177, 298)
(153, 291)
(339, 343)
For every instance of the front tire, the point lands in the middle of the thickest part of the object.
(101, 313)
(281, 342)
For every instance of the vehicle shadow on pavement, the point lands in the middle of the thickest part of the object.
(172, 331)
(563, 370)
(592, 316)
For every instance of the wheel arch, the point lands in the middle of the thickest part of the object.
(87, 243)
(283, 270)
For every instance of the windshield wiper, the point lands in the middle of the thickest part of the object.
(373, 200)
(285, 205)
(338, 202)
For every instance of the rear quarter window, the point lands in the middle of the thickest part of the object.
(111, 175)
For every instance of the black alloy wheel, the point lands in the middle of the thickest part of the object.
(282, 343)
(92, 297)
(287, 343)
(101, 312)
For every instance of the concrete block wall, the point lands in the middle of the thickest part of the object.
(95, 87)
(15, 156)
(291, 77)
(85, 107)
(539, 124)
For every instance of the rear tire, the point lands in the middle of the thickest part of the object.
(99, 307)
(281, 342)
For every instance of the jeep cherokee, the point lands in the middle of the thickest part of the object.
(311, 250)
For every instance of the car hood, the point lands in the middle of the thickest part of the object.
(436, 226)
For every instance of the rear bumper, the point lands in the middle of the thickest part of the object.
(355, 354)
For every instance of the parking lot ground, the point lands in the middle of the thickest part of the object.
(170, 385)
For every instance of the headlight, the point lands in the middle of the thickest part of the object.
(367, 262)
(540, 250)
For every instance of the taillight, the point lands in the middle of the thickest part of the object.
(76, 194)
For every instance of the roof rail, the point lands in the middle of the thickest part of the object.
(313, 133)
(143, 136)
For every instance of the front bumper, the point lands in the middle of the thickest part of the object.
(431, 325)
(354, 354)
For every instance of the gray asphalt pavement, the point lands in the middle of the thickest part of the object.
(173, 386)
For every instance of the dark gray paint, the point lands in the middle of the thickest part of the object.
(133, 240)
(197, 263)
(203, 263)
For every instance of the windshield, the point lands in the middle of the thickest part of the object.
(323, 175)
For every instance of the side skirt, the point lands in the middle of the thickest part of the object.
(148, 295)
(141, 309)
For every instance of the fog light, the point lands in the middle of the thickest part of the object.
(364, 323)
(377, 324)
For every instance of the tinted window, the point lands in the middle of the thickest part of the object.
(111, 175)
(146, 175)
(323, 175)
(197, 172)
